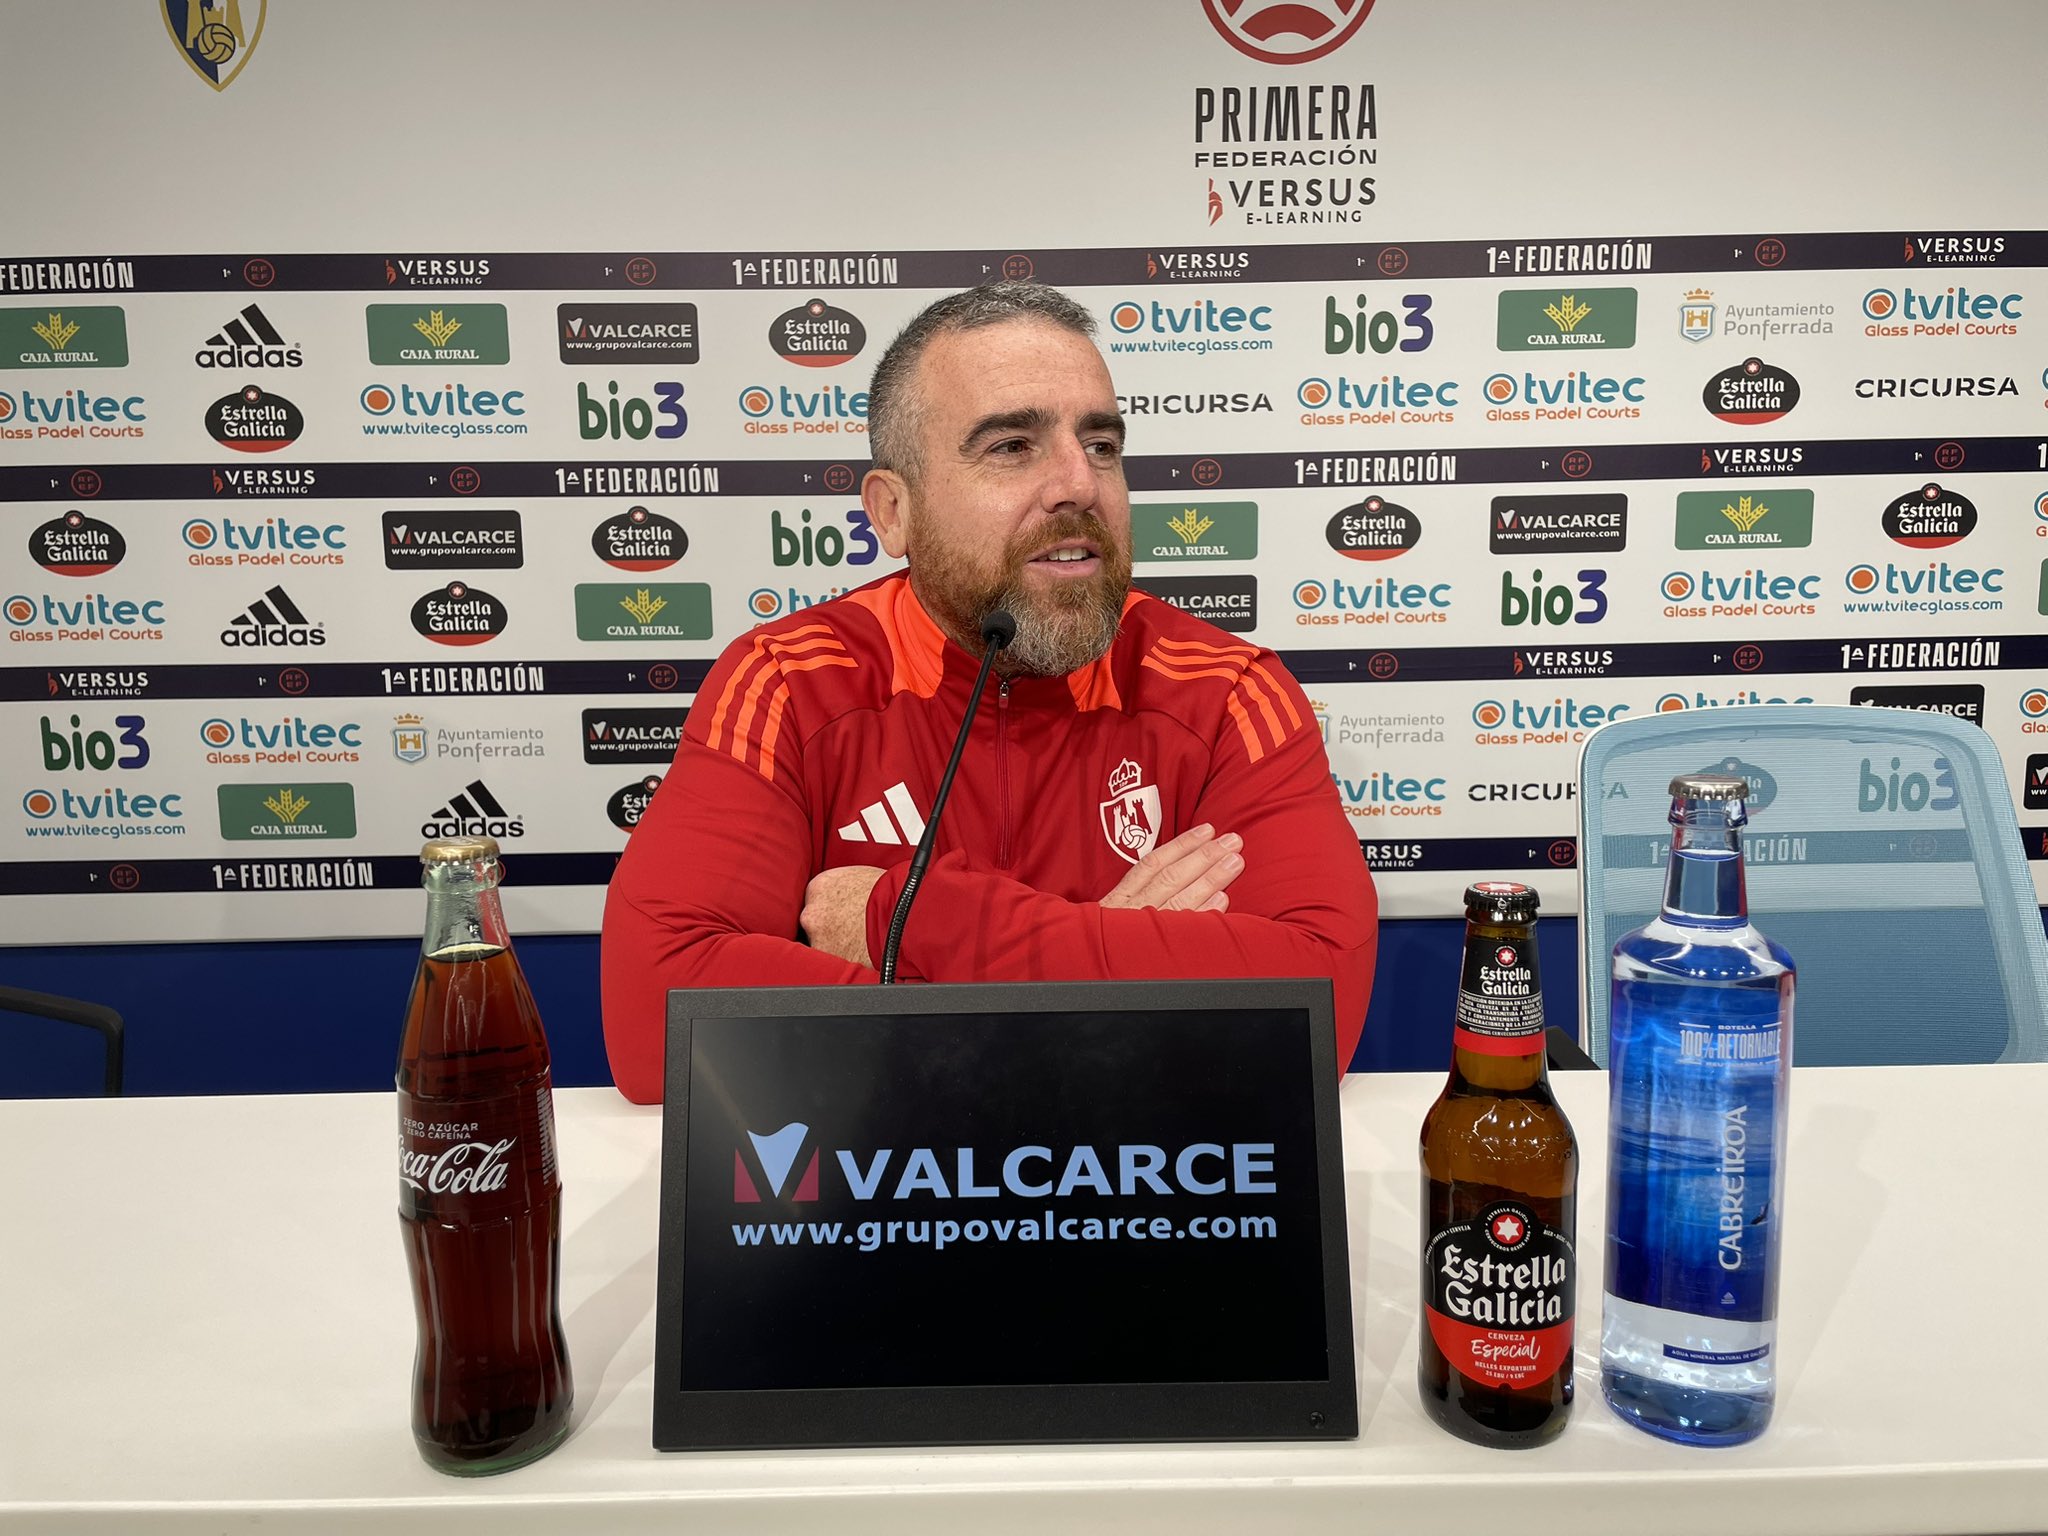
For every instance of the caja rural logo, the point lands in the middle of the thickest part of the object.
(1287, 31)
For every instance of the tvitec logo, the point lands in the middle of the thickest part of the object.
(271, 541)
(1578, 396)
(69, 414)
(33, 618)
(1516, 723)
(1952, 312)
(831, 409)
(1201, 327)
(1381, 600)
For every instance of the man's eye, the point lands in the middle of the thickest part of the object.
(1107, 448)
(1010, 446)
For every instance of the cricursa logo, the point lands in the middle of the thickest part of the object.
(816, 335)
(76, 545)
(1286, 31)
(774, 1157)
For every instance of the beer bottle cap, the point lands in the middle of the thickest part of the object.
(459, 850)
(1709, 786)
(1500, 901)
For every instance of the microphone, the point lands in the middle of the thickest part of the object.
(997, 631)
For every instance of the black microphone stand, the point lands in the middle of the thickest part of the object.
(997, 631)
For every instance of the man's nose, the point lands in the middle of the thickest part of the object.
(1069, 477)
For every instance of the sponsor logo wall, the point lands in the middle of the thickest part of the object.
(358, 547)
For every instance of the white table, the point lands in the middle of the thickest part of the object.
(207, 1328)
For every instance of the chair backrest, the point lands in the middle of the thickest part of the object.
(71, 1010)
(1883, 853)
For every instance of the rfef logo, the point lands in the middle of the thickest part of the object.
(76, 545)
(1286, 31)
(1751, 393)
(816, 335)
(775, 1156)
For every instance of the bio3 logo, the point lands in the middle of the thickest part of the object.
(82, 751)
(1879, 790)
(630, 416)
(1368, 329)
(801, 544)
(1556, 603)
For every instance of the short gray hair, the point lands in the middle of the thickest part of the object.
(895, 410)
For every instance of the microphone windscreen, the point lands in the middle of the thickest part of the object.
(999, 628)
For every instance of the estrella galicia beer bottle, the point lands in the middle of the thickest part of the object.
(1500, 1171)
(479, 1198)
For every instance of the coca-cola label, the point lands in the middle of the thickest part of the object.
(1500, 999)
(473, 1159)
(1498, 1295)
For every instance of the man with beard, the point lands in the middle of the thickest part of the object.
(1142, 796)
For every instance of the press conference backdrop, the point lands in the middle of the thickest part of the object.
(400, 407)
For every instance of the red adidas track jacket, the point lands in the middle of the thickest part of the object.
(818, 740)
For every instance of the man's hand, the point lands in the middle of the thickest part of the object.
(1185, 875)
(835, 915)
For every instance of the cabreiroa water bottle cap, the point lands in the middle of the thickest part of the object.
(1709, 786)
(459, 850)
(1502, 901)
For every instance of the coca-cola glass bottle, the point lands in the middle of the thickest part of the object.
(479, 1198)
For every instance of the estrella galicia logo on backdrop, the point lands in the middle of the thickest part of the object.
(628, 805)
(639, 540)
(459, 614)
(1930, 518)
(1751, 393)
(216, 40)
(775, 1156)
(816, 335)
(1373, 529)
(254, 420)
(1286, 31)
(76, 545)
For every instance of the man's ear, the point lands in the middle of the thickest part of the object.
(885, 495)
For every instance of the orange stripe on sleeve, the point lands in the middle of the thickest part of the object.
(1185, 674)
(1245, 728)
(1279, 692)
(1258, 696)
(771, 727)
(732, 688)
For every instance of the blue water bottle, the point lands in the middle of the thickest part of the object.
(1700, 1046)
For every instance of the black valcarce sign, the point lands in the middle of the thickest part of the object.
(479, 540)
(254, 420)
(1537, 525)
(76, 545)
(1963, 700)
(1373, 529)
(459, 614)
(632, 735)
(628, 805)
(1228, 602)
(610, 334)
(817, 335)
(1930, 517)
(639, 540)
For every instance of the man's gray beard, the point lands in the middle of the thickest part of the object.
(1054, 639)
